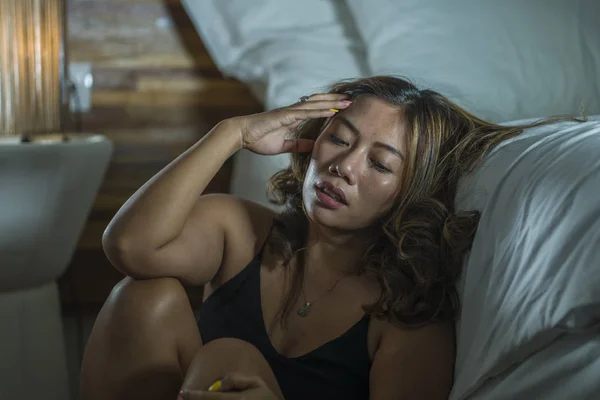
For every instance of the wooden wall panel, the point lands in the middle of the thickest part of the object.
(156, 92)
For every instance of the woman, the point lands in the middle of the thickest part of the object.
(348, 293)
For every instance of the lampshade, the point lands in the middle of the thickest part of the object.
(32, 66)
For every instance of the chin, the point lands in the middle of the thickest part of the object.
(342, 224)
(340, 219)
(321, 215)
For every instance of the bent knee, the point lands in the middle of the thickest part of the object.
(236, 353)
(234, 345)
(150, 297)
(223, 356)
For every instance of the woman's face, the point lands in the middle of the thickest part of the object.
(356, 165)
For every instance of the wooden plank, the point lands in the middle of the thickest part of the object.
(134, 34)
(141, 60)
(213, 96)
(128, 78)
(157, 121)
(188, 84)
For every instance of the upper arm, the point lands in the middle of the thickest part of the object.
(414, 363)
(221, 230)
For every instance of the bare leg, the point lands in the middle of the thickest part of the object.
(222, 356)
(142, 343)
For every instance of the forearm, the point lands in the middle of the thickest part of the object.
(156, 213)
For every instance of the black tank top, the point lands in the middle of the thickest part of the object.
(338, 369)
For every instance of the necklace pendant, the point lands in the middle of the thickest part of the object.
(304, 310)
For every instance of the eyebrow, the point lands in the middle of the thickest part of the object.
(355, 131)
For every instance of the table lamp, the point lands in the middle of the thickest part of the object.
(32, 67)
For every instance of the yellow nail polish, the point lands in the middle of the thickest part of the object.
(333, 110)
(215, 387)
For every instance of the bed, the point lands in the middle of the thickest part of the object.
(530, 319)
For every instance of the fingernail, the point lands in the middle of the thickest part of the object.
(215, 387)
(346, 101)
(180, 394)
(334, 110)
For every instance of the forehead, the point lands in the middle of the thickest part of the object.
(376, 119)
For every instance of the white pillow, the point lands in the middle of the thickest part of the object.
(501, 59)
(569, 368)
(533, 273)
(283, 49)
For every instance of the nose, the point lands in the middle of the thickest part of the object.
(349, 165)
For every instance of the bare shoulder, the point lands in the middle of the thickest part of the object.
(246, 225)
(424, 354)
(394, 335)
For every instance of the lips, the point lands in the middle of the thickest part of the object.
(332, 191)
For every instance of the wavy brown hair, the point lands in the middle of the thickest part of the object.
(417, 255)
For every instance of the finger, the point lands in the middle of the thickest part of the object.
(323, 104)
(297, 146)
(286, 129)
(205, 395)
(328, 96)
(290, 116)
(294, 125)
(237, 381)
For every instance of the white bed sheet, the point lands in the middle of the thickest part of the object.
(568, 368)
(534, 269)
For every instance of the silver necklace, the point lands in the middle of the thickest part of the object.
(304, 310)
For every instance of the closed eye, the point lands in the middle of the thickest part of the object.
(380, 167)
(377, 165)
(337, 140)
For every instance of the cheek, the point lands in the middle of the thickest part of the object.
(381, 193)
(320, 150)
(310, 178)
(311, 173)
